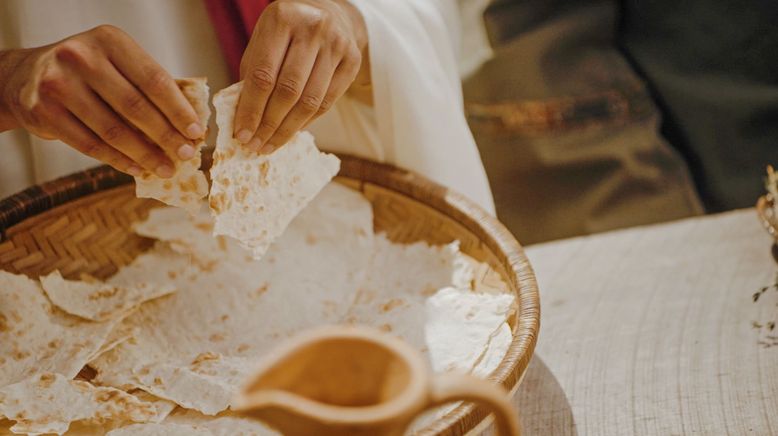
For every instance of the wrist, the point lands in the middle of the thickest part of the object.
(9, 61)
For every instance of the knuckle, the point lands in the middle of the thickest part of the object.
(112, 133)
(325, 105)
(283, 12)
(149, 159)
(268, 126)
(51, 85)
(354, 54)
(309, 103)
(289, 89)
(134, 104)
(71, 50)
(91, 148)
(316, 21)
(107, 31)
(158, 81)
(339, 43)
(354, 57)
(262, 78)
(170, 138)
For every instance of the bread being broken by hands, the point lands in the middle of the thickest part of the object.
(188, 186)
(254, 197)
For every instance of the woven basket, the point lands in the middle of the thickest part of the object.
(81, 224)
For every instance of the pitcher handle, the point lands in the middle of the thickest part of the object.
(463, 387)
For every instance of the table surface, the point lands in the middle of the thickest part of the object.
(654, 331)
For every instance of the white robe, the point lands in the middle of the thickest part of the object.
(416, 122)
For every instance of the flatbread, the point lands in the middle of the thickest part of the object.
(48, 403)
(196, 346)
(187, 422)
(401, 278)
(166, 429)
(254, 197)
(120, 333)
(188, 187)
(225, 424)
(460, 326)
(194, 238)
(97, 301)
(162, 408)
(36, 336)
(423, 294)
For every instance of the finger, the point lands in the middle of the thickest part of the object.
(292, 79)
(260, 68)
(96, 115)
(154, 82)
(132, 105)
(342, 79)
(74, 133)
(308, 105)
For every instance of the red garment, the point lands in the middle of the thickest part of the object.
(234, 21)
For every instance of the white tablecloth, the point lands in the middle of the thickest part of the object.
(650, 331)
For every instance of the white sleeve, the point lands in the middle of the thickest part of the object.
(417, 93)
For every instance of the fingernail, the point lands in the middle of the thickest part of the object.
(135, 170)
(165, 171)
(195, 130)
(254, 145)
(244, 136)
(267, 148)
(186, 151)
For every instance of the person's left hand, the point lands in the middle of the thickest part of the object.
(303, 55)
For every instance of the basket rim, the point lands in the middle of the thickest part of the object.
(40, 198)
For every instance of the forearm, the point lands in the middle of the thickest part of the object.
(8, 61)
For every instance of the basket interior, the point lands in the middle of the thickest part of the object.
(92, 234)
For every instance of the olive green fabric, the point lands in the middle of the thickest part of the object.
(567, 130)
(713, 69)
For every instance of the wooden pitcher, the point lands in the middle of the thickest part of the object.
(358, 381)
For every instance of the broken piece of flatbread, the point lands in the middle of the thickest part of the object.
(36, 336)
(463, 325)
(160, 429)
(224, 424)
(196, 346)
(49, 403)
(188, 422)
(97, 301)
(401, 277)
(188, 187)
(254, 197)
(190, 234)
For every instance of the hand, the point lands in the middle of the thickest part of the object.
(303, 55)
(102, 94)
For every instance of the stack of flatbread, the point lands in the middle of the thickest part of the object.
(162, 346)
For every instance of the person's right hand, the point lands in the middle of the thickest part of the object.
(102, 94)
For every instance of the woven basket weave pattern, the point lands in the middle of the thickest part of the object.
(81, 224)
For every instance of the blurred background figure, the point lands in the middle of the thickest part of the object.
(600, 114)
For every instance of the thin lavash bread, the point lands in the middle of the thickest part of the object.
(188, 186)
(254, 197)
(49, 403)
(36, 336)
(97, 301)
